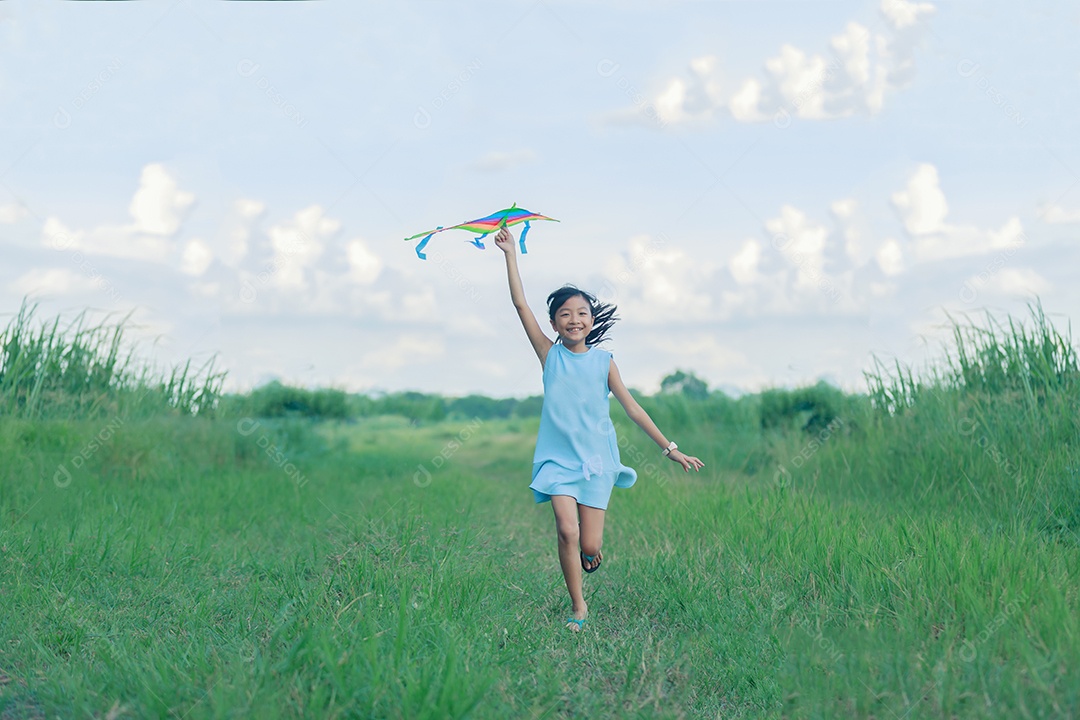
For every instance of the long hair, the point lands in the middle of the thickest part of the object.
(603, 313)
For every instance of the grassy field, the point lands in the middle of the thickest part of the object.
(915, 556)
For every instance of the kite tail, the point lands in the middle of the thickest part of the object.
(521, 240)
(476, 241)
(420, 247)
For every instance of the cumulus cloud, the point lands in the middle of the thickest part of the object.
(1057, 215)
(196, 258)
(923, 209)
(655, 282)
(922, 204)
(802, 241)
(54, 281)
(890, 258)
(234, 240)
(298, 244)
(695, 96)
(157, 209)
(843, 211)
(743, 265)
(364, 265)
(1009, 282)
(862, 67)
(159, 206)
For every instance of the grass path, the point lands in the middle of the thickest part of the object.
(184, 573)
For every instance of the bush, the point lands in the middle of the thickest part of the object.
(810, 409)
(275, 400)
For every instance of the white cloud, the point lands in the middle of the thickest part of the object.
(298, 244)
(159, 206)
(655, 283)
(1022, 282)
(233, 243)
(903, 14)
(890, 258)
(923, 209)
(1011, 282)
(11, 214)
(743, 266)
(695, 96)
(364, 265)
(157, 209)
(1057, 215)
(844, 212)
(922, 205)
(196, 258)
(807, 85)
(54, 281)
(802, 241)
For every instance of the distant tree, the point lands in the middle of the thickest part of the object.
(684, 383)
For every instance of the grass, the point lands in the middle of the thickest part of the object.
(82, 370)
(912, 561)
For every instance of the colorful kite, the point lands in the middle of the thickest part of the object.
(486, 225)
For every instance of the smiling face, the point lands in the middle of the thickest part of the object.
(573, 320)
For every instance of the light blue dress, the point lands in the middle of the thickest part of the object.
(577, 453)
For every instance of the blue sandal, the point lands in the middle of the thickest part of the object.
(580, 623)
(589, 558)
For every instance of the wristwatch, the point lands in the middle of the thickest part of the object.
(669, 448)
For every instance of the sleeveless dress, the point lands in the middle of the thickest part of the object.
(577, 453)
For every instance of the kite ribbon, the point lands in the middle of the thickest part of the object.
(420, 247)
(521, 240)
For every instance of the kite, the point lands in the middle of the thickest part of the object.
(486, 225)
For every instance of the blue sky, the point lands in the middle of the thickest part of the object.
(772, 192)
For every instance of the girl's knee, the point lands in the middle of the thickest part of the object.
(569, 533)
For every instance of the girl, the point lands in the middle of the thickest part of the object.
(576, 462)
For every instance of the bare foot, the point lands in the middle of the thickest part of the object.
(579, 616)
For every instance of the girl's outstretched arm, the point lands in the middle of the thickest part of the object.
(637, 413)
(540, 342)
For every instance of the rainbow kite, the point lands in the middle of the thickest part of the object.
(486, 225)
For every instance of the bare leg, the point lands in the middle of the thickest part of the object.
(566, 526)
(592, 533)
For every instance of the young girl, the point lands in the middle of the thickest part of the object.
(576, 463)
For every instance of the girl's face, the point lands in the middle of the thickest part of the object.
(573, 320)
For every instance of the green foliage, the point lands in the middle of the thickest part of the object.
(809, 409)
(1027, 365)
(920, 563)
(275, 400)
(684, 383)
(83, 371)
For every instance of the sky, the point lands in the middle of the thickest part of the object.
(772, 193)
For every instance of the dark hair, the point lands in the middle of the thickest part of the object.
(603, 313)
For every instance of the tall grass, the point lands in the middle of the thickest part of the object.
(83, 370)
(994, 429)
(1004, 359)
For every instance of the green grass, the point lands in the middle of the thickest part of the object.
(82, 370)
(919, 560)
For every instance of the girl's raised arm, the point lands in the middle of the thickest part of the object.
(540, 342)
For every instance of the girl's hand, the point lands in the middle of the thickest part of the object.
(504, 240)
(687, 461)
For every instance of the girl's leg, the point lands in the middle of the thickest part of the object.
(592, 533)
(566, 526)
